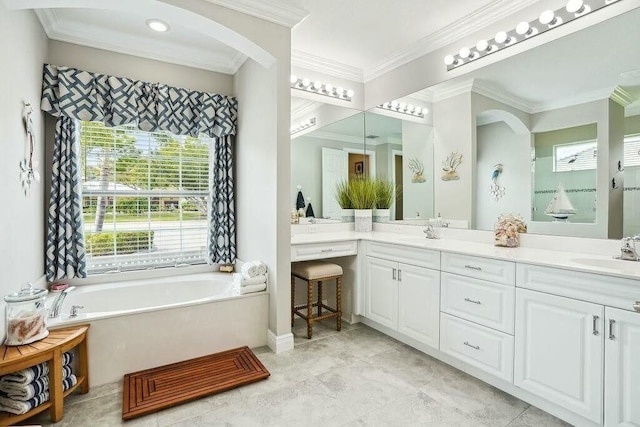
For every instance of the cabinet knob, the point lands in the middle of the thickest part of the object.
(636, 306)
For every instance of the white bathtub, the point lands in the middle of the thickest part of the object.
(141, 324)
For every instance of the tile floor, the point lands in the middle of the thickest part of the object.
(358, 377)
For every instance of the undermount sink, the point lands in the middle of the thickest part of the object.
(629, 267)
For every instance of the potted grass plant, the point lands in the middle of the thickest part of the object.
(384, 199)
(343, 197)
(363, 200)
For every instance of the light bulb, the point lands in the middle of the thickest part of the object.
(417, 111)
(402, 106)
(547, 18)
(306, 82)
(501, 37)
(386, 105)
(482, 45)
(328, 88)
(350, 93)
(575, 6)
(523, 28)
(394, 104)
(317, 84)
(157, 25)
(293, 79)
(339, 91)
(464, 53)
(449, 60)
(425, 110)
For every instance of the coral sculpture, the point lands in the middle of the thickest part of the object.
(449, 166)
(417, 168)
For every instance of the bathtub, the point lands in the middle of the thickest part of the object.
(141, 324)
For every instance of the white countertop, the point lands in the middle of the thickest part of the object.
(577, 261)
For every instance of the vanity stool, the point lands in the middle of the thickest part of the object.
(316, 272)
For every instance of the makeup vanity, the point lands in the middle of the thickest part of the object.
(560, 330)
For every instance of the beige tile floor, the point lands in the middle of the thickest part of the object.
(358, 377)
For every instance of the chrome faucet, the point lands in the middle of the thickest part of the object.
(628, 251)
(57, 303)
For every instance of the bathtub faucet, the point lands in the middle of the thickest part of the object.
(57, 303)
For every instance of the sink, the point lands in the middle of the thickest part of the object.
(627, 267)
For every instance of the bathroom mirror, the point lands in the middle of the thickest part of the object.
(507, 120)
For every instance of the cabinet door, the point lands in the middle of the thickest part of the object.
(622, 368)
(559, 351)
(382, 292)
(419, 303)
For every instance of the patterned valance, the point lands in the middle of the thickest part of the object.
(117, 101)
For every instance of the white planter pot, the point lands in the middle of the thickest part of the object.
(364, 220)
(347, 215)
(381, 215)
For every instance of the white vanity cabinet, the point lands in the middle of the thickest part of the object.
(404, 297)
(559, 351)
(622, 368)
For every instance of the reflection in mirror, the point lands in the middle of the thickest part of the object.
(403, 151)
(565, 162)
(322, 158)
(586, 83)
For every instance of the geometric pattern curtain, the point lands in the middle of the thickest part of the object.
(117, 101)
(222, 215)
(65, 249)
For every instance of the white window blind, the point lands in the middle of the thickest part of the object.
(575, 156)
(145, 198)
(632, 150)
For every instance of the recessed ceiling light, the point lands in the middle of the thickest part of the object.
(157, 25)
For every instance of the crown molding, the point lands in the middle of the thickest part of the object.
(450, 90)
(326, 66)
(113, 41)
(632, 110)
(480, 18)
(424, 95)
(482, 88)
(303, 109)
(621, 96)
(583, 98)
(274, 11)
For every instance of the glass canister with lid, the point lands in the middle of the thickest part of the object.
(26, 316)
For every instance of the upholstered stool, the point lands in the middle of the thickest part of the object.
(316, 272)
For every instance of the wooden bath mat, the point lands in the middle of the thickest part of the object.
(154, 389)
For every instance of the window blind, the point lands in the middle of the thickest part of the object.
(575, 156)
(145, 198)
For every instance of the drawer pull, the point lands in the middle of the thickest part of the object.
(399, 275)
(636, 306)
(595, 325)
(472, 301)
(611, 335)
(394, 274)
(475, 347)
(327, 250)
(472, 267)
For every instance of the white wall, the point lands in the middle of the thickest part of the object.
(22, 219)
(498, 143)
(417, 143)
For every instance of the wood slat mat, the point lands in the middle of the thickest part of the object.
(154, 389)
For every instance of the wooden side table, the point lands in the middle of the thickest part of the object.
(49, 349)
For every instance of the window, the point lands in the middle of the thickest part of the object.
(145, 198)
(632, 150)
(581, 155)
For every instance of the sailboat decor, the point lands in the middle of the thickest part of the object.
(560, 206)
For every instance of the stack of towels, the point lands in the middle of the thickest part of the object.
(22, 391)
(252, 277)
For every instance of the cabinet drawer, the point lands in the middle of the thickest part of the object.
(413, 256)
(479, 301)
(484, 348)
(480, 268)
(323, 250)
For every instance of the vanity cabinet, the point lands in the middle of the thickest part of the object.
(559, 350)
(622, 368)
(403, 297)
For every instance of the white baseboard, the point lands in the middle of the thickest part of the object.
(279, 343)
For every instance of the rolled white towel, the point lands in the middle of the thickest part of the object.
(250, 268)
(253, 288)
(241, 280)
(262, 268)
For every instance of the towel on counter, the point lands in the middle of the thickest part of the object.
(253, 268)
(253, 288)
(22, 407)
(242, 281)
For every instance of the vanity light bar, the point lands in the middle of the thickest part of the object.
(305, 124)
(403, 108)
(547, 20)
(326, 89)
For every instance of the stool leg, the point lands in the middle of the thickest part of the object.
(309, 309)
(339, 302)
(293, 297)
(319, 298)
